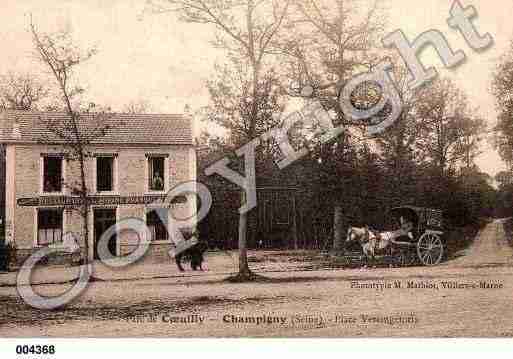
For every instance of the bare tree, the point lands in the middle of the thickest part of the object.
(21, 91)
(473, 131)
(397, 144)
(139, 106)
(327, 42)
(502, 89)
(247, 30)
(449, 134)
(60, 55)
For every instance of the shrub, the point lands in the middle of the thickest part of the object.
(7, 256)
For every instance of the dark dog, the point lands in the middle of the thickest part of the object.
(192, 254)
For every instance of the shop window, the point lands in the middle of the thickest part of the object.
(156, 220)
(49, 226)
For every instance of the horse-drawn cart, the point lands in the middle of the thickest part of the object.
(425, 242)
(419, 237)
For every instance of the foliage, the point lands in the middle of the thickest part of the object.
(449, 134)
(247, 31)
(425, 159)
(504, 197)
(232, 102)
(7, 255)
(502, 88)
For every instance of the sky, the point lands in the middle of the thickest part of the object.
(160, 59)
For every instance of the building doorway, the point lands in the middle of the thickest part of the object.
(103, 219)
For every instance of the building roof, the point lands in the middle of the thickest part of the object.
(102, 128)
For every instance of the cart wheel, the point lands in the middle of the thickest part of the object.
(430, 249)
(406, 257)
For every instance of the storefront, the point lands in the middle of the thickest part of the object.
(129, 171)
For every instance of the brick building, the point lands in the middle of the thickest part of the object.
(131, 167)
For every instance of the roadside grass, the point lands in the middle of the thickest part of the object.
(457, 240)
(508, 228)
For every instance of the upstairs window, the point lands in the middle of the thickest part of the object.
(52, 174)
(104, 174)
(49, 226)
(156, 166)
(156, 220)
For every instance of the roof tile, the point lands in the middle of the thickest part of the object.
(120, 128)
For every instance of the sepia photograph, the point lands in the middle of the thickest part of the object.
(255, 169)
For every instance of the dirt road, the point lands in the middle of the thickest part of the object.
(471, 295)
(491, 248)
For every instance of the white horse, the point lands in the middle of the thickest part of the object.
(370, 242)
(375, 242)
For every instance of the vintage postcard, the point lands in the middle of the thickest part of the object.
(255, 168)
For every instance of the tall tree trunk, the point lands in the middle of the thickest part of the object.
(85, 205)
(337, 229)
(244, 271)
(243, 252)
(294, 223)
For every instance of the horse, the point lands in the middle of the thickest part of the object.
(370, 242)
